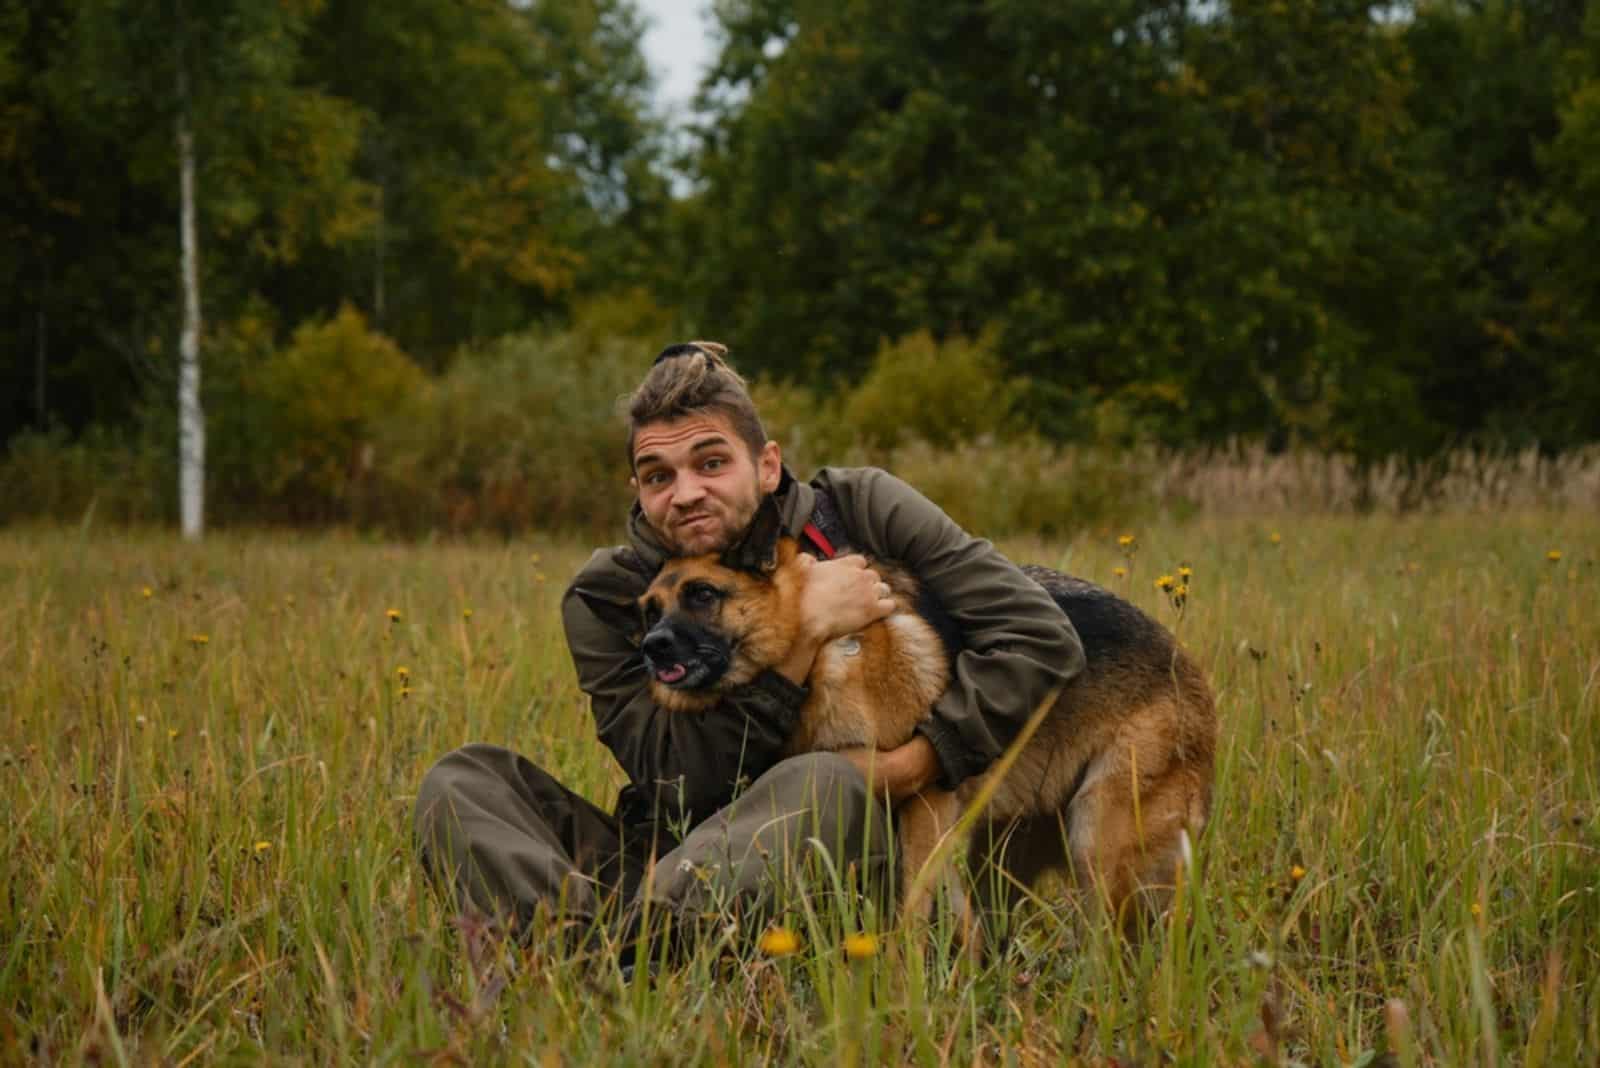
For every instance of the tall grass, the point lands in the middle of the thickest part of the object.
(208, 757)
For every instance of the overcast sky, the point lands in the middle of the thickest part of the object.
(678, 46)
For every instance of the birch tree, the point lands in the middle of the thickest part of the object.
(206, 97)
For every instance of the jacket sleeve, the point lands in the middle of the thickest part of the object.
(1019, 644)
(682, 765)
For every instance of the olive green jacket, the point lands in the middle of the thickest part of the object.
(1018, 645)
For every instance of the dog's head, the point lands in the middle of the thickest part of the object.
(713, 622)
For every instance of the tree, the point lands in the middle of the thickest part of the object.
(219, 78)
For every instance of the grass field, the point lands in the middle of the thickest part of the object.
(208, 757)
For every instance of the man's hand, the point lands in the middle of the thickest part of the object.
(840, 597)
(898, 773)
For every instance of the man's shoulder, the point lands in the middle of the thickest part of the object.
(615, 569)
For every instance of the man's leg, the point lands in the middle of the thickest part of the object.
(744, 855)
(509, 838)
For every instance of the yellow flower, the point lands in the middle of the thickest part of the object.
(466, 613)
(394, 615)
(1165, 582)
(1185, 572)
(405, 691)
(1297, 873)
(860, 946)
(779, 942)
(404, 672)
(147, 592)
(262, 847)
(1554, 556)
(538, 576)
(198, 640)
(172, 732)
(1180, 592)
(139, 721)
(1120, 572)
(1275, 537)
(1126, 541)
(1477, 909)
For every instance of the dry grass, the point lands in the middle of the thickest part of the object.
(207, 759)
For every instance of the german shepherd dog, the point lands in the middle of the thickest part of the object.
(1117, 773)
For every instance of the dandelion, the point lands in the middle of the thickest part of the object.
(1275, 538)
(1180, 594)
(1477, 909)
(1554, 556)
(262, 847)
(172, 732)
(1297, 873)
(139, 721)
(394, 615)
(779, 941)
(405, 691)
(466, 613)
(1185, 572)
(538, 576)
(147, 593)
(1126, 541)
(1165, 583)
(197, 640)
(404, 673)
(861, 946)
(1120, 572)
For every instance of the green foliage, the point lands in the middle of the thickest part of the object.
(327, 392)
(943, 394)
(525, 433)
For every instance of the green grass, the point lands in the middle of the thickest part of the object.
(206, 849)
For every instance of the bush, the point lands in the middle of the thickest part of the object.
(945, 394)
(326, 392)
(103, 475)
(525, 433)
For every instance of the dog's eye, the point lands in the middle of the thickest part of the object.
(700, 595)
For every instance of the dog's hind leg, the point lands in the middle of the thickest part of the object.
(1128, 842)
(1006, 858)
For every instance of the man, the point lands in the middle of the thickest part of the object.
(711, 799)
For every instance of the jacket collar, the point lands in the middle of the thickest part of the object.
(795, 502)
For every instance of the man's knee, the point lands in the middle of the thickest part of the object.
(824, 784)
(450, 782)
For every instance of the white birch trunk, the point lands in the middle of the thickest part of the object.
(191, 420)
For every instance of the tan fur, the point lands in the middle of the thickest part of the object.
(1118, 772)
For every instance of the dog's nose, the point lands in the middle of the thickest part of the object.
(657, 646)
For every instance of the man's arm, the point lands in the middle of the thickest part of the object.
(1019, 644)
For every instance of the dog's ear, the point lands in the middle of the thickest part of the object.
(619, 612)
(757, 549)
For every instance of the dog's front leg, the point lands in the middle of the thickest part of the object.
(924, 821)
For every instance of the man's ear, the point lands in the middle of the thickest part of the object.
(621, 614)
(769, 466)
(757, 548)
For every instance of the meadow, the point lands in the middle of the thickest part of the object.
(208, 756)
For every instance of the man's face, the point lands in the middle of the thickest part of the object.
(698, 484)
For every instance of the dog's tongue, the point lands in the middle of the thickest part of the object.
(673, 673)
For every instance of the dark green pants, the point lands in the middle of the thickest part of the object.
(514, 842)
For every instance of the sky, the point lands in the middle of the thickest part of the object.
(677, 46)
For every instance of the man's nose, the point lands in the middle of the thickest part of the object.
(687, 492)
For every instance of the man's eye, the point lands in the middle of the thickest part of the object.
(714, 463)
(655, 478)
